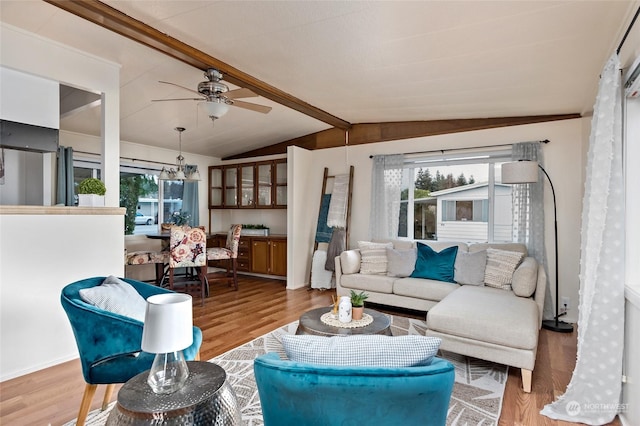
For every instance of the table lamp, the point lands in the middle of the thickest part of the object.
(526, 171)
(168, 329)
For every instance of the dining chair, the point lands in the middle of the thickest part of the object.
(109, 344)
(230, 253)
(144, 257)
(188, 249)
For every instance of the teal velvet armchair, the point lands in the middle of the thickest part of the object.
(294, 393)
(108, 343)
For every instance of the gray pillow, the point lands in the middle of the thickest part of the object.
(469, 268)
(365, 350)
(116, 296)
(400, 262)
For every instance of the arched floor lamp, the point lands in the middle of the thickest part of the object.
(526, 171)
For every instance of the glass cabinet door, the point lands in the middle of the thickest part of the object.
(246, 186)
(215, 186)
(280, 183)
(264, 184)
(231, 186)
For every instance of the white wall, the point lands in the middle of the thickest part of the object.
(562, 162)
(29, 99)
(631, 367)
(304, 178)
(39, 255)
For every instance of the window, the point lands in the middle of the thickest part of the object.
(456, 197)
(462, 211)
(152, 200)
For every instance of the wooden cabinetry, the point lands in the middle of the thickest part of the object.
(269, 256)
(244, 255)
(260, 255)
(261, 185)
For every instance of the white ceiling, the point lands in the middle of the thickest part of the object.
(362, 61)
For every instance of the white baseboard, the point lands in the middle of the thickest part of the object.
(38, 367)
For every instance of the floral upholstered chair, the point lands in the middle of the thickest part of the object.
(188, 249)
(159, 258)
(230, 252)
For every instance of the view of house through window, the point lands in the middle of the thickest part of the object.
(148, 200)
(456, 199)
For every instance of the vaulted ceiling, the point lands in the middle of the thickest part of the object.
(353, 61)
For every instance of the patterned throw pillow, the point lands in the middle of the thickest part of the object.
(373, 257)
(367, 350)
(500, 267)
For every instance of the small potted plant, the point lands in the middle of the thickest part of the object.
(91, 193)
(180, 218)
(357, 304)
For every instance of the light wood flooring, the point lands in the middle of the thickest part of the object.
(231, 318)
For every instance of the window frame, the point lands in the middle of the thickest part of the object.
(490, 156)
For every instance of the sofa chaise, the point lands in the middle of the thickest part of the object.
(495, 324)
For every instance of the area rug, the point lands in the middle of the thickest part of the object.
(476, 399)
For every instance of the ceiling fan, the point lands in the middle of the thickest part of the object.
(216, 96)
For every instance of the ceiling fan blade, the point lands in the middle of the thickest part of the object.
(239, 93)
(179, 99)
(177, 85)
(253, 107)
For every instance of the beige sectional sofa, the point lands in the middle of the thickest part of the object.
(494, 324)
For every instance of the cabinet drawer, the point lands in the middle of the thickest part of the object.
(243, 265)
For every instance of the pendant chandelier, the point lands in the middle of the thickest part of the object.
(180, 173)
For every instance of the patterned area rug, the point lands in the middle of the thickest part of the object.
(476, 399)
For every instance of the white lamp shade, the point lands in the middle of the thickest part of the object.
(195, 175)
(164, 174)
(168, 323)
(215, 108)
(180, 175)
(520, 172)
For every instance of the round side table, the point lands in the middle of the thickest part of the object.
(206, 398)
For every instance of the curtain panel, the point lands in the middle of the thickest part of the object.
(190, 203)
(386, 186)
(528, 214)
(64, 181)
(593, 394)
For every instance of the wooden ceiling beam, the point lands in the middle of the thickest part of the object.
(120, 23)
(366, 133)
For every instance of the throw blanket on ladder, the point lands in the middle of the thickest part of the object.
(337, 216)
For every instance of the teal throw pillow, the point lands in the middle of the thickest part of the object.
(435, 265)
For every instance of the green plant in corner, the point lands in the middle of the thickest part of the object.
(92, 186)
(357, 299)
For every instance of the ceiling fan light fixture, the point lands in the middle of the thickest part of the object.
(216, 108)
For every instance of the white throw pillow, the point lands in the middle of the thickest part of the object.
(367, 350)
(500, 267)
(373, 257)
(116, 296)
(525, 278)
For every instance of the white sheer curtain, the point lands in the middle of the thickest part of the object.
(528, 213)
(593, 395)
(386, 185)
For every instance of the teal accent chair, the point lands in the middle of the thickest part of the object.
(108, 343)
(294, 393)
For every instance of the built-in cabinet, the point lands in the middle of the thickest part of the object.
(260, 255)
(269, 256)
(259, 185)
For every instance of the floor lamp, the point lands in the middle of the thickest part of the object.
(526, 171)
